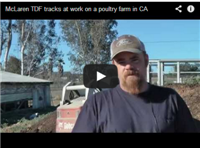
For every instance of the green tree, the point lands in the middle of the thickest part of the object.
(188, 67)
(6, 39)
(89, 40)
(38, 42)
(14, 65)
(3, 35)
(23, 28)
(52, 40)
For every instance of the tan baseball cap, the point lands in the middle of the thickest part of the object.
(128, 43)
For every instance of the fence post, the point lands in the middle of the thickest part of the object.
(159, 70)
(162, 73)
(148, 72)
(178, 72)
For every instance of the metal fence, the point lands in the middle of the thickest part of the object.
(158, 76)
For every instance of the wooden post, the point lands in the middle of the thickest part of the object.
(35, 99)
(47, 96)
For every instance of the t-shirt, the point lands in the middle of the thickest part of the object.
(159, 109)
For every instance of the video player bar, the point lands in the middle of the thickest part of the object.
(100, 10)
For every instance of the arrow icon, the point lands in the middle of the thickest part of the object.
(100, 76)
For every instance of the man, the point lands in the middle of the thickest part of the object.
(134, 105)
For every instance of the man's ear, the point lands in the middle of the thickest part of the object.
(113, 62)
(146, 58)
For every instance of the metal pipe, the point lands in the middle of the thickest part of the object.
(178, 72)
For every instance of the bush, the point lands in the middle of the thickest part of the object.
(193, 80)
(4, 125)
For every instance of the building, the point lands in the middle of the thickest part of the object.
(17, 89)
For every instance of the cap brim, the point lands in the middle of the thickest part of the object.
(127, 50)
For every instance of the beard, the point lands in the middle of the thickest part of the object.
(132, 82)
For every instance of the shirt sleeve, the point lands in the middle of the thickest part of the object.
(87, 119)
(184, 121)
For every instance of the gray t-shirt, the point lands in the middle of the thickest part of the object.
(159, 109)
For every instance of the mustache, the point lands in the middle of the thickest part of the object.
(131, 72)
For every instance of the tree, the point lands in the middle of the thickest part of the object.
(49, 41)
(38, 42)
(13, 65)
(9, 40)
(6, 39)
(35, 53)
(60, 67)
(89, 40)
(52, 41)
(24, 29)
(195, 67)
(50, 68)
(188, 67)
(3, 37)
(102, 35)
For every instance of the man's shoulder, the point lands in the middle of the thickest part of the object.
(162, 89)
(100, 99)
(104, 95)
(106, 92)
(164, 93)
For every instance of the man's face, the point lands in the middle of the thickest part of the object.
(131, 70)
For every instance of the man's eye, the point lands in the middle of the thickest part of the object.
(135, 60)
(121, 62)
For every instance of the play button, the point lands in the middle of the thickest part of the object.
(100, 76)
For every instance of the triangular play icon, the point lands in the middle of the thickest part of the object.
(100, 76)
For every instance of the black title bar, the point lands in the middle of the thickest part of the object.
(100, 10)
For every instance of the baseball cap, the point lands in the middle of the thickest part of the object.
(127, 43)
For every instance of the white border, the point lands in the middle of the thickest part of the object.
(100, 1)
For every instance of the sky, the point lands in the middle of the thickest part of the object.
(163, 39)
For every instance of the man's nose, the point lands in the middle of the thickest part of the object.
(129, 66)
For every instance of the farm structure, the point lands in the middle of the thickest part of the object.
(19, 91)
(158, 77)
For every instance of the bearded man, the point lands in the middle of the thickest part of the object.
(134, 105)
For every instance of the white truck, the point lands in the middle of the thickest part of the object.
(73, 98)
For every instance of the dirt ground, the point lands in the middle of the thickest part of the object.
(47, 125)
(191, 95)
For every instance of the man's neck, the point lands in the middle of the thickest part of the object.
(145, 87)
